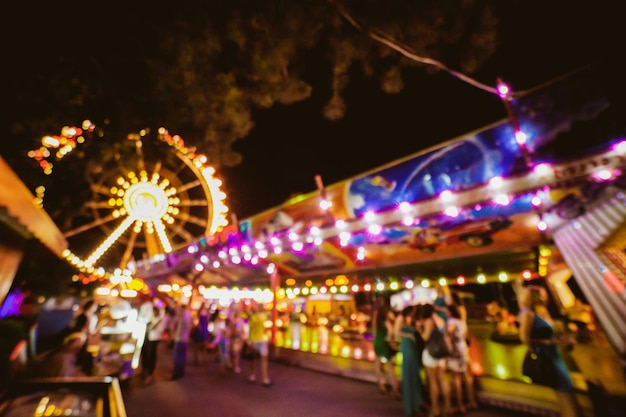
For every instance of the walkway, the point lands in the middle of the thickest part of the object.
(296, 392)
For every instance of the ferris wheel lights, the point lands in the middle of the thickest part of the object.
(50, 142)
(68, 131)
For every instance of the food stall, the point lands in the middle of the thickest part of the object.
(117, 346)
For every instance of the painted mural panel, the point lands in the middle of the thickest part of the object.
(460, 165)
(568, 124)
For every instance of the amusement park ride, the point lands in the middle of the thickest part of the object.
(149, 196)
(155, 208)
(487, 207)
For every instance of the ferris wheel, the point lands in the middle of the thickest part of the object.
(131, 197)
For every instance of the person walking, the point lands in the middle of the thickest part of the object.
(435, 367)
(458, 360)
(258, 337)
(536, 330)
(411, 365)
(200, 333)
(149, 353)
(385, 349)
(237, 334)
(181, 334)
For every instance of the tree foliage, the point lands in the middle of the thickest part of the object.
(201, 68)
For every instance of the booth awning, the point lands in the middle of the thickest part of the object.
(21, 215)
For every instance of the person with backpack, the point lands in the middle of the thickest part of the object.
(432, 328)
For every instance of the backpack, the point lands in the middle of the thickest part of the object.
(438, 345)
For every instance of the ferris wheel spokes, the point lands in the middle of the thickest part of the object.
(96, 223)
(106, 244)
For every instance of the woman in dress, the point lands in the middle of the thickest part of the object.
(411, 364)
(458, 362)
(384, 341)
(536, 329)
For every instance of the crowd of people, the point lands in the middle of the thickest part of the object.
(423, 383)
(431, 383)
(211, 332)
(194, 334)
(428, 383)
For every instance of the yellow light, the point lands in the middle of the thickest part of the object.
(50, 142)
(341, 280)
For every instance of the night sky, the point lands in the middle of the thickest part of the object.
(290, 145)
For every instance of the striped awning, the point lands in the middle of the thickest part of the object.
(20, 213)
(587, 245)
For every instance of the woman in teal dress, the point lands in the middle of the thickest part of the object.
(411, 364)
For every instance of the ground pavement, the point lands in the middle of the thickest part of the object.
(295, 392)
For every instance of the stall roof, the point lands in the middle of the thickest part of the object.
(465, 205)
(20, 213)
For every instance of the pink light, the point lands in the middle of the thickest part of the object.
(603, 175)
(542, 169)
(374, 229)
(526, 274)
(404, 207)
(503, 90)
(520, 137)
(535, 201)
(621, 147)
(460, 280)
(451, 211)
(542, 226)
